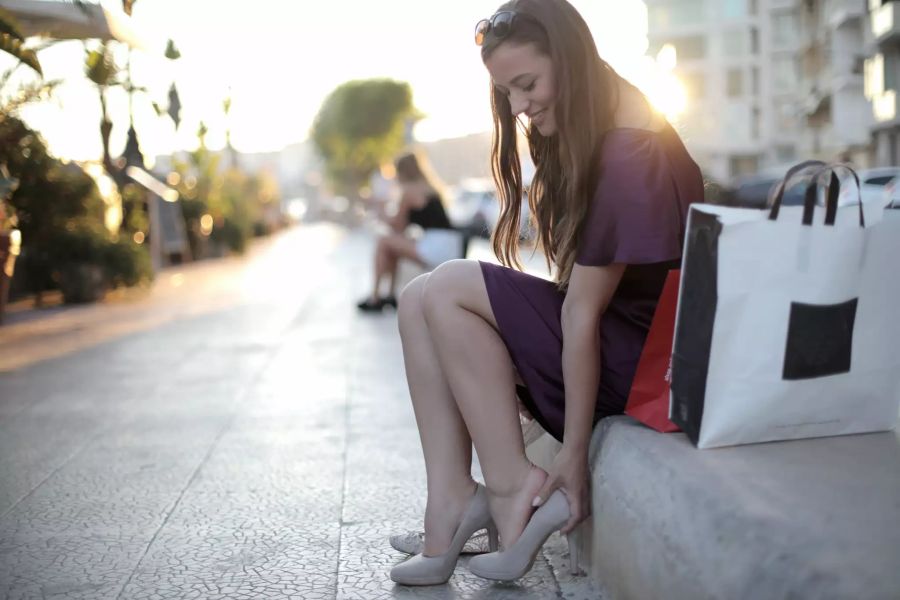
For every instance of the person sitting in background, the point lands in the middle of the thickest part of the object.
(420, 204)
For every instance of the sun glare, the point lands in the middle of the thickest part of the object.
(664, 89)
(296, 53)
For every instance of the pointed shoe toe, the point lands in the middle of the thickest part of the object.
(435, 570)
(514, 562)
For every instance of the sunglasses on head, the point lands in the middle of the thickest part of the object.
(500, 24)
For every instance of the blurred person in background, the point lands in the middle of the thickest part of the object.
(610, 197)
(421, 204)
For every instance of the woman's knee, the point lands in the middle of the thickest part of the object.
(448, 285)
(409, 309)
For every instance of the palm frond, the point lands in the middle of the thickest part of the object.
(27, 94)
(15, 47)
(10, 26)
(172, 52)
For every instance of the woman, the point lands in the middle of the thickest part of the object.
(420, 204)
(610, 196)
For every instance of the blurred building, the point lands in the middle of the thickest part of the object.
(769, 82)
(882, 79)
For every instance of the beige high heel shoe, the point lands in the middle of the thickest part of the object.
(515, 561)
(435, 570)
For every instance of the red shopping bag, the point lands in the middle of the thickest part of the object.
(648, 401)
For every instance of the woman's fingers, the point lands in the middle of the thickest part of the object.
(550, 485)
(579, 505)
(576, 512)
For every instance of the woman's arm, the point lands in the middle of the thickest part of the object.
(399, 221)
(589, 293)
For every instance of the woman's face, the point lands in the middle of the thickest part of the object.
(526, 77)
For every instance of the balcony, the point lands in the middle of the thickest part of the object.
(885, 21)
(842, 12)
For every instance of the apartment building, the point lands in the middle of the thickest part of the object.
(769, 82)
(882, 79)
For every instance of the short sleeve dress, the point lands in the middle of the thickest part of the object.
(638, 216)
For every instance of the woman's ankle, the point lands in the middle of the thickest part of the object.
(512, 482)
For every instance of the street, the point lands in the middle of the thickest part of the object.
(237, 432)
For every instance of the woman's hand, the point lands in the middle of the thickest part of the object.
(569, 473)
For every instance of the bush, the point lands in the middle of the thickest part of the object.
(61, 216)
(86, 261)
(230, 233)
(126, 263)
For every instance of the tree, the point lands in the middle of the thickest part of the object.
(100, 68)
(13, 42)
(361, 125)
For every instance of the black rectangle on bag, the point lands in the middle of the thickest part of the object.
(819, 340)
(696, 316)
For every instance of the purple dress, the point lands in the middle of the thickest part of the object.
(638, 216)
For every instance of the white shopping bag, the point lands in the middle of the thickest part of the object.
(788, 322)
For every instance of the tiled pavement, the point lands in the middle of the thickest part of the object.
(240, 432)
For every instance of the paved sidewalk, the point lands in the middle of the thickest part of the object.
(238, 433)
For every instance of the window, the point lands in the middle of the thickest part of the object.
(694, 84)
(734, 83)
(734, 9)
(690, 47)
(754, 40)
(754, 81)
(785, 153)
(784, 29)
(891, 68)
(734, 42)
(784, 74)
(755, 124)
(743, 165)
(785, 118)
(676, 13)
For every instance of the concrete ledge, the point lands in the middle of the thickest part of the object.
(815, 518)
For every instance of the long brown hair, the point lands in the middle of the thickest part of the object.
(414, 166)
(567, 164)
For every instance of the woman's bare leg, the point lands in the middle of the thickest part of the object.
(480, 373)
(446, 444)
(388, 252)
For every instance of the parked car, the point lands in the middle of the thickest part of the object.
(892, 191)
(475, 208)
(873, 186)
(757, 191)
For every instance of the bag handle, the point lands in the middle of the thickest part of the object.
(809, 199)
(782, 186)
(832, 194)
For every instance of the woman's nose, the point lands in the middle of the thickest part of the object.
(517, 103)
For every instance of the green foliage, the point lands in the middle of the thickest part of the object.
(61, 216)
(100, 67)
(134, 210)
(26, 94)
(172, 52)
(360, 126)
(231, 233)
(9, 26)
(13, 42)
(126, 263)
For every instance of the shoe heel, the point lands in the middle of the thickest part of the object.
(574, 555)
(513, 562)
(493, 538)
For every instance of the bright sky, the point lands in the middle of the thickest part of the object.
(280, 59)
